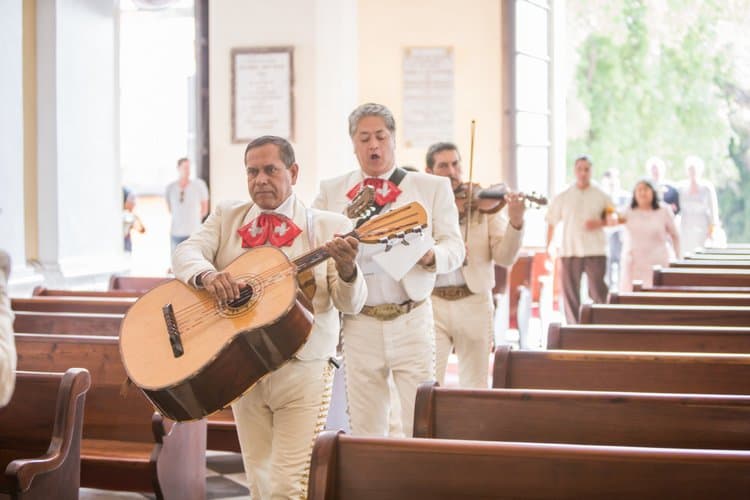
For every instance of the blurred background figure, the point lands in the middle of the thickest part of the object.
(700, 209)
(610, 183)
(187, 200)
(130, 221)
(650, 236)
(656, 170)
(7, 345)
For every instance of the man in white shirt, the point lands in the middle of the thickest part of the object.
(584, 209)
(279, 418)
(187, 201)
(394, 334)
(462, 299)
(7, 345)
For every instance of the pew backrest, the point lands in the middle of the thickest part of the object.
(622, 371)
(583, 417)
(701, 276)
(347, 468)
(658, 338)
(672, 298)
(61, 323)
(99, 305)
(644, 314)
(711, 263)
(41, 291)
(638, 287)
(140, 284)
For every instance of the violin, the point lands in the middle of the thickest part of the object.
(489, 200)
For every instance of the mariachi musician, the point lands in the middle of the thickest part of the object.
(462, 299)
(279, 418)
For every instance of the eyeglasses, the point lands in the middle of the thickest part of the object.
(182, 196)
(269, 170)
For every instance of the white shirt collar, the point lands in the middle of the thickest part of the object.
(286, 208)
(385, 176)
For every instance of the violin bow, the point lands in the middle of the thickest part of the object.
(471, 177)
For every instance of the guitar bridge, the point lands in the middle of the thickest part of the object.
(173, 331)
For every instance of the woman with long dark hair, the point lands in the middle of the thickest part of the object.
(651, 236)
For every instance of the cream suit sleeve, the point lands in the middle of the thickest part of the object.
(348, 298)
(505, 240)
(197, 254)
(449, 245)
(7, 345)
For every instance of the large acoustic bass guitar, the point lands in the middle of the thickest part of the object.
(192, 356)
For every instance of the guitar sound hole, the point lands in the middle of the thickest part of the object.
(246, 293)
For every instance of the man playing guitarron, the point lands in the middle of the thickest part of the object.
(462, 299)
(279, 418)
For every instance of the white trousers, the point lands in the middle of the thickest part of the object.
(277, 423)
(373, 349)
(466, 325)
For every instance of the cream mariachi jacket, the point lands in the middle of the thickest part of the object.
(435, 194)
(216, 244)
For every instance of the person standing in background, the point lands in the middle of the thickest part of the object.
(187, 201)
(656, 170)
(700, 208)
(584, 209)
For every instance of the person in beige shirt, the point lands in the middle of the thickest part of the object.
(279, 418)
(7, 345)
(462, 299)
(394, 334)
(584, 209)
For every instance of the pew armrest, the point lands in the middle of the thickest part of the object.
(180, 456)
(63, 456)
(323, 467)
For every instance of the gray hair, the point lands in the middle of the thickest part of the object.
(371, 109)
(286, 152)
(695, 162)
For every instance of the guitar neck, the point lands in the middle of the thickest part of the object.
(314, 257)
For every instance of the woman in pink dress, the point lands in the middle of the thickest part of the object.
(650, 236)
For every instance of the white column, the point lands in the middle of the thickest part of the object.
(80, 201)
(11, 133)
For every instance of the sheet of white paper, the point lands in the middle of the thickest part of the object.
(400, 258)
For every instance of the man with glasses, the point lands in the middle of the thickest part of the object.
(187, 201)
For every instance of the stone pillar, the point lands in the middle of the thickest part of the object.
(79, 196)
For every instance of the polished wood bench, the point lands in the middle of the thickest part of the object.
(40, 435)
(62, 323)
(711, 263)
(723, 251)
(640, 314)
(622, 371)
(583, 417)
(700, 276)
(139, 284)
(126, 445)
(41, 291)
(639, 287)
(717, 256)
(658, 338)
(101, 305)
(358, 468)
(674, 298)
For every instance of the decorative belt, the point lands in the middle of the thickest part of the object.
(387, 312)
(452, 292)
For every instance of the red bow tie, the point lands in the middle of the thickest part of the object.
(385, 191)
(275, 229)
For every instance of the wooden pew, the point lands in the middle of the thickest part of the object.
(672, 298)
(583, 417)
(348, 468)
(126, 445)
(658, 338)
(41, 291)
(622, 371)
(701, 276)
(100, 305)
(40, 435)
(140, 284)
(723, 251)
(711, 263)
(62, 323)
(638, 287)
(613, 314)
(717, 256)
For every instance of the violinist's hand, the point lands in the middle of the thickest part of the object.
(516, 209)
